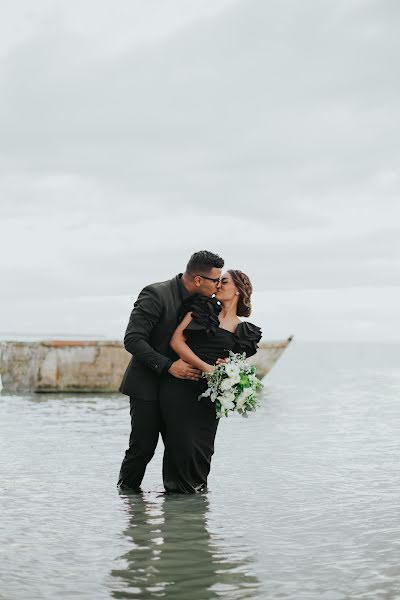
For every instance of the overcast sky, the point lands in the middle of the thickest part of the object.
(133, 133)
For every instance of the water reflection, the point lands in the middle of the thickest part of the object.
(174, 555)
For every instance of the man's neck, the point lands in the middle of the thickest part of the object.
(187, 284)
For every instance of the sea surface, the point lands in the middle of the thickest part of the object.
(303, 500)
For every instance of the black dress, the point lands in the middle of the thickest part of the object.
(191, 424)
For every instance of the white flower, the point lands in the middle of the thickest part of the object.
(247, 392)
(223, 386)
(243, 396)
(232, 370)
(240, 401)
(227, 401)
(229, 396)
(226, 384)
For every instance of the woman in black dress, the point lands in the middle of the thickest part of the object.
(209, 329)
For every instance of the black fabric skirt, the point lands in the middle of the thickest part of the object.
(190, 427)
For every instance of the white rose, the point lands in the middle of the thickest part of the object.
(232, 370)
(247, 392)
(226, 402)
(240, 401)
(226, 384)
(229, 396)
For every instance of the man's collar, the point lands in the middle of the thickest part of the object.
(182, 290)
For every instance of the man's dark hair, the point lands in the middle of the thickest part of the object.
(203, 261)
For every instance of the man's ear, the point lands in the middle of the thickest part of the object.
(197, 281)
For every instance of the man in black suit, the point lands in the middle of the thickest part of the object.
(153, 320)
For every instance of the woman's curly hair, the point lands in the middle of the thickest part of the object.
(245, 290)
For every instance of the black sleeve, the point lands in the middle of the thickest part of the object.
(247, 337)
(144, 316)
(205, 312)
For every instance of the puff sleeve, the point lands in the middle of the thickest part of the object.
(204, 311)
(247, 337)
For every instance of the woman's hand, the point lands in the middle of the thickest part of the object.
(221, 361)
(209, 369)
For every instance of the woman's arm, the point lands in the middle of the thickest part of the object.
(179, 345)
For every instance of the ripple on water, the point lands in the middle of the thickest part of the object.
(303, 499)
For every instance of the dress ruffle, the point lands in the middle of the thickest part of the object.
(247, 337)
(204, 311)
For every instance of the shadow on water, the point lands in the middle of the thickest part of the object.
(175, 556)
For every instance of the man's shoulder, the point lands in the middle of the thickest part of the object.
(160, 286)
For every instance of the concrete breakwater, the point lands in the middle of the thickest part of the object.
(85, 366)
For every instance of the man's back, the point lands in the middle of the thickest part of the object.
(152, 322)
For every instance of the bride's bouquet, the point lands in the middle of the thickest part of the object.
(233, 386)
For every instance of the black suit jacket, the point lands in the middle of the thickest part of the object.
(153, 320)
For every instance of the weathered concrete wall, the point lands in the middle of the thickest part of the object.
(95, 366)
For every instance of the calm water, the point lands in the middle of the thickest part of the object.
(303, 503)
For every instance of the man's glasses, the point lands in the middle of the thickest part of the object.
(214, 279)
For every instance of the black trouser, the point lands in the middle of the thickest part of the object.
(146, 426)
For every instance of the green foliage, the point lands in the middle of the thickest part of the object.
(233, 386)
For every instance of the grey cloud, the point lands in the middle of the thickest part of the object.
(260, 104)
(283, 114)
(92, 266)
